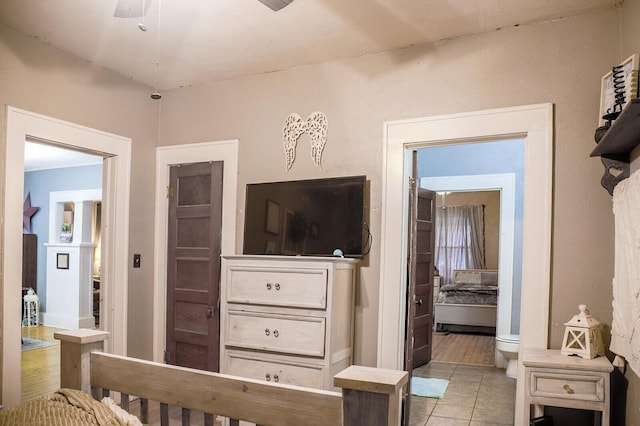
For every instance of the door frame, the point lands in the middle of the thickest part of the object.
(505, 183)
(116, 150)
(167, 156)
(534, 123)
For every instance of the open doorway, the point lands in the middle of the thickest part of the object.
(116, 150)
(504, 222)
(66, 185)
(534, 123)
(467, 239)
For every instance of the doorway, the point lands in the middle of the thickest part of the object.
(506, 184)
(466, 338)
(20, 126)
(66, 185)
(534, 123)
(167, 156)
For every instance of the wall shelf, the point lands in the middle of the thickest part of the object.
(616, 145)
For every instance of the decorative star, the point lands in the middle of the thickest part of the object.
(28, 212)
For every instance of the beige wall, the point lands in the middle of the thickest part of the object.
(560, 62)
(39, 78)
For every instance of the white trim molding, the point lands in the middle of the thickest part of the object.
(534, 123)
(116, 151)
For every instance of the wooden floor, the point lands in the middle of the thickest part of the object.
(461, 348)
(40, 367)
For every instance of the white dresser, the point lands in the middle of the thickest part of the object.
(287, 319)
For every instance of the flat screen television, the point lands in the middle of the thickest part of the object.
(306, 217)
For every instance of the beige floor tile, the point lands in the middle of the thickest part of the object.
(501, 393)
(439, 374)
(493, 415)
(423, 405)
(443, 421)
(457, 400)
(498, 381)
(500, 402)
(462, 390)
(452, 412)
(470, 369)
(421, 408)
(474, 381)
(475, 396)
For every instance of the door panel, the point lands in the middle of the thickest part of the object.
(419, 309)
(193, 265)
(423, 276)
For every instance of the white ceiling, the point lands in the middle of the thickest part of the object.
(39, 156)
(195, 41)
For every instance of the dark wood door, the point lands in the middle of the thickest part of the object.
(420, 269)
(422, 261)
(193, 265)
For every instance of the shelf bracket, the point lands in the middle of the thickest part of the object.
(615, 171)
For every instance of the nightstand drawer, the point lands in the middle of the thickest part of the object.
(276, 333)
(274, 370)
(582, 387)
(299, 288)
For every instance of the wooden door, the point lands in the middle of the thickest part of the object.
(193, 265)
(420, 269)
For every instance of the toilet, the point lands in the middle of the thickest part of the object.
(507, 346)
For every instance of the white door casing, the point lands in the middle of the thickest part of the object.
(534, 123)
(23, 125)
(167, 156)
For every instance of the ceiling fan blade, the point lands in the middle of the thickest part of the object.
(275, 4)
(131, 8)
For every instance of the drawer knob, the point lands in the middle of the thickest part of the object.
(268, 286)
(568, 389)
(275, 333)
(267, 331)
(268, 377)
(277, 286)
(276, 378)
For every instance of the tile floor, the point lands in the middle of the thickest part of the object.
(476, 396)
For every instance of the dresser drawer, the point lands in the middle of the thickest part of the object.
(274, 370)
(304, 288)
(276, 333)
(582, 387)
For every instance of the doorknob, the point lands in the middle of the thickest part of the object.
(209, 311)
(418, 302)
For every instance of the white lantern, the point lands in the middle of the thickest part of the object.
(582, 336)
(31, 309)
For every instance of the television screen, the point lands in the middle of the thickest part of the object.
(306, 217)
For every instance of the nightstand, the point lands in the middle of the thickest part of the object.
(558, 380)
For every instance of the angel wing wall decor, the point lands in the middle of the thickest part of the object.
(294, 126)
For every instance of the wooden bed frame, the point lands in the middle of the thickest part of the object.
(464, 314)
(370, 396)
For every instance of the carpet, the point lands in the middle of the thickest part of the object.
(427, 387)
(29, 344)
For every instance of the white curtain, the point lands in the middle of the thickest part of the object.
(459, 239)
